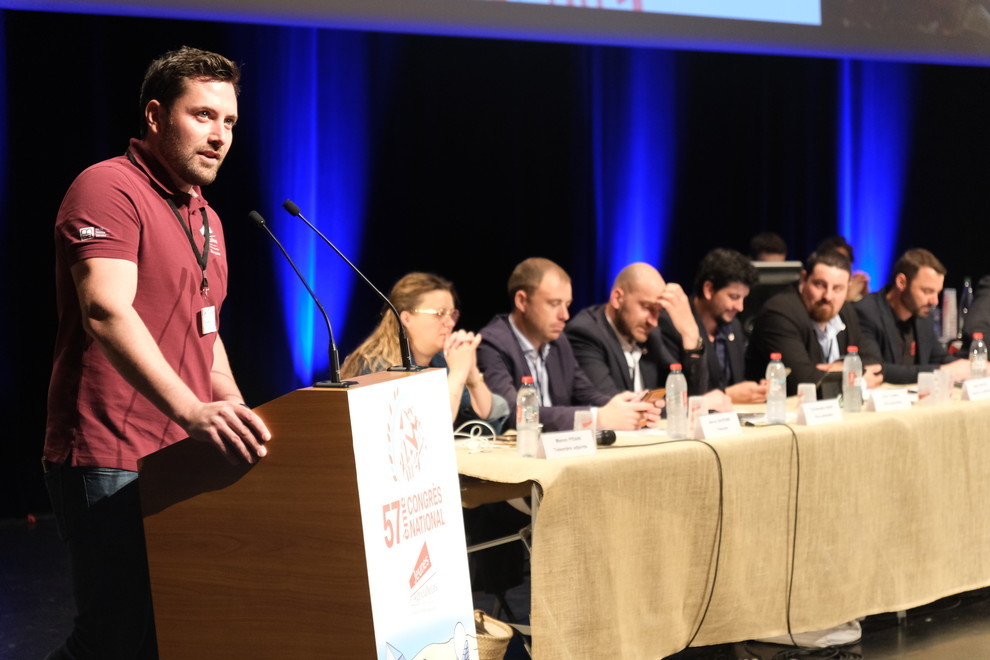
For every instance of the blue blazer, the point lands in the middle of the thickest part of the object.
(501, 359)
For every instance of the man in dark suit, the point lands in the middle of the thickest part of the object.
(529, 342)
(897, 324)
(810, 327)
(721, 285)
(618, 344)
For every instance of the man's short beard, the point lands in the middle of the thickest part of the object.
(823, 313)
(622, 328)
(171, 152)
(921, 311)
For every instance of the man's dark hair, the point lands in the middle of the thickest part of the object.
(766, 242)
(836, 242)
(914, 260)
(165, 79)
(833, 258)
(722, 267)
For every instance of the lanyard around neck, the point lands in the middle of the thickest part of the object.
(202, 258)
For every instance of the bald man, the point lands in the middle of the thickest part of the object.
(618, 344)
(529, 341)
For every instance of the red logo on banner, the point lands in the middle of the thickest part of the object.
(405, 440)
(422, 567)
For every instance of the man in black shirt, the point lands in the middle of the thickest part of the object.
(896, 321)
(721, 285)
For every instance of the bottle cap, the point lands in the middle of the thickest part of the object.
(675, 366)
(527, 379)
(977, 335)
(776, 356)
(852, 349)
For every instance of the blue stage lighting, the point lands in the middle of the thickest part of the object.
(313, 150)
(875, 114)
(635, 145)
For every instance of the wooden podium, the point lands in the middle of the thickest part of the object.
(263, 561)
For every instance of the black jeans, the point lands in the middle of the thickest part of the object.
(98, 512)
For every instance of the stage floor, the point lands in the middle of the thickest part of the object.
(36, 612)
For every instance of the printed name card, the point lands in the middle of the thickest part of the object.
(564, 444)
(819, 412)
(889, 400)
(976, 389)
(720, 425)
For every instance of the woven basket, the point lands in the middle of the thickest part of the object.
(493, 636)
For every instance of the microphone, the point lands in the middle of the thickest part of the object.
(829, 385)
(407, 361)
(334, 381)
(604, 438)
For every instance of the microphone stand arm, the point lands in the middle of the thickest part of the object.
(334, 357)
(407, 361)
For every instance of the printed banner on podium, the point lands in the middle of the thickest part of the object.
(411, 513)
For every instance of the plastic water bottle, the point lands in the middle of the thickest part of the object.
(950, 315)
(527, 418)
(677, 399)
(978, 357)
(776, 390)
(852, 380)
(527, 403)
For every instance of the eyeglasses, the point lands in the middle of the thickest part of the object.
(441, 314)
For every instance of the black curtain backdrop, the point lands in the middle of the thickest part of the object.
(481, 156)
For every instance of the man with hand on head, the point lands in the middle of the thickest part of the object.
(897, 323)
(140, 276)
(529, 341)
(810, 327)
(618, 344)
(721, 285)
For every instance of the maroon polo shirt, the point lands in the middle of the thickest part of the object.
(112, 210)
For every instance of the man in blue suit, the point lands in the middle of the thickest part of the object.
(896, 321)
(529, 341)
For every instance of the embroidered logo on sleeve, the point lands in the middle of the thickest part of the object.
(89, 233)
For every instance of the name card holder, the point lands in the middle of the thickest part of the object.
(819, 412)
(721, 425)
(565, 444)
(976, 389)
(889, 400)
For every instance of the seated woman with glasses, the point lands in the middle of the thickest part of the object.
(426, 308)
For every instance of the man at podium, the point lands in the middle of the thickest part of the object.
(140, 276)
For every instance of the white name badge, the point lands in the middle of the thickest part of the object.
(720, 425)
(819, 412)
(207, 320)
(564, 444)
(976, 389)
(889, 400)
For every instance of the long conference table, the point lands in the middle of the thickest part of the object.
(820, 525)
